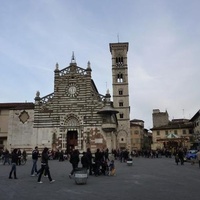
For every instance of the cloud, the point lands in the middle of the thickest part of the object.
(163, 56)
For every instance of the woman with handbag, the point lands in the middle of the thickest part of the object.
(45, 166)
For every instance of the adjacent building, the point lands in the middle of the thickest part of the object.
(196, 130)
(170, 134)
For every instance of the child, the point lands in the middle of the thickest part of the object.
(105, 168)
(112, 168)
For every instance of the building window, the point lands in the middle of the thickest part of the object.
(120, 92)
(158, 132)
(120, 78)
(121, 115)
(184, 131)
(119, 61)
(121, 104)
(136, 132)
(166, 133)
(175, 132)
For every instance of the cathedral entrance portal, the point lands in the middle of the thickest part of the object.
(72, 140)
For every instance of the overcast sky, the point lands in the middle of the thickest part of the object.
(163, 56)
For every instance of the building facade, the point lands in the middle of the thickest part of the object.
(16, 125)
(121, 92)
(141, 138)
(137, 134)
(196, 125)
(75, 114)
(170, 134)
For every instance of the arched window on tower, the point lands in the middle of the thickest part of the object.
(121, 115)
(120, 91)
(121, 104)
(120, 78)
(119, 61)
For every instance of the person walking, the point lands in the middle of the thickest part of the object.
(198, 157)
(181, 156)
(45, 166)
(176, 158)
(24, 154)
(35, 155)
(14, 163)
(19, 153)
(6, 157)
(74, 160)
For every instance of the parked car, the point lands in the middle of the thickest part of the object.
(191, 154)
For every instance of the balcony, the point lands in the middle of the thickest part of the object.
(108, 127)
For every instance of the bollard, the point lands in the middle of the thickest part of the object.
(80, 176)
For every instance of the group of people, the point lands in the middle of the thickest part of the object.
(179, 156)
(44, 165)
(35, 156)
(15, 160)
(6, 156)
(96, 165)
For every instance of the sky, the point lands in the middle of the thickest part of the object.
(163, 54)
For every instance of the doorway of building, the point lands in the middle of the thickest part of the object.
(72, 138)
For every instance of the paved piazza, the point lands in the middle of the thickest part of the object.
(146, 179)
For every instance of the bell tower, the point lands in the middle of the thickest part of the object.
(121, 93)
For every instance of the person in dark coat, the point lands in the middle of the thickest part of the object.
(89, 156)
(6, 157)
(85, 161)
(181, 156)
(98, 161)
(19, 153)
(14, 163)
(74, 160)
(35, 155)
(24, 155)
(61, 156)
(45, 166)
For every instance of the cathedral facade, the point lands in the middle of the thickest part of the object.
(75, 115)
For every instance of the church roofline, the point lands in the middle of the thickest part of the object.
(118, 45)
(20, 106)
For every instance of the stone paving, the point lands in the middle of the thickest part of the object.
(146, 179)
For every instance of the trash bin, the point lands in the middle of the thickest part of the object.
(80, 176)
(129, 161)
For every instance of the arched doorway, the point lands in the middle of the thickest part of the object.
(72, 140)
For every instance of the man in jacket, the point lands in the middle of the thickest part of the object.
(74, 160)
(35, 155)
(14, 163)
